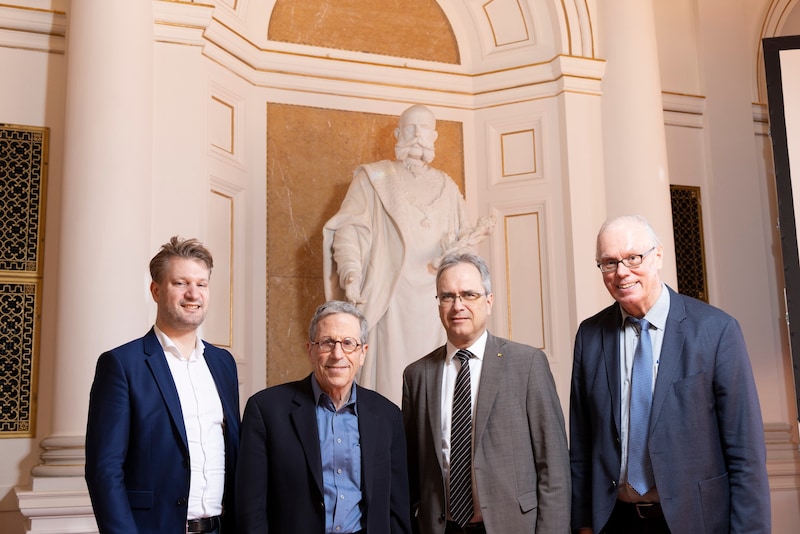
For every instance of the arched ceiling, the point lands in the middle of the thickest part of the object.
(416, 29)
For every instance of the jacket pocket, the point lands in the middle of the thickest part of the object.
(140, 500)
(528, 501)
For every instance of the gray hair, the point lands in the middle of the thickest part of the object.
(451, 260)
(337, 306)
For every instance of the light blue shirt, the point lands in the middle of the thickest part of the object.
(340, 445)
(629, 338)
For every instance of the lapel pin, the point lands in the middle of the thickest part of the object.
(499, 354)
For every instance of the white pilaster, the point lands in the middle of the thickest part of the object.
(635, 150)
(104, 235)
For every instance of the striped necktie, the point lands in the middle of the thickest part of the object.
(461, 444)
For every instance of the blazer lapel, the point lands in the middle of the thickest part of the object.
(671, 354)
(157, 361)
(434, 371)
(217, 370)
(610, 351)
(491, 375)
(367, 423)
(304, 420)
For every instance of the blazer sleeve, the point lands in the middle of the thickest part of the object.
(107, 433)
(252, 473)
(741, 433)
(551, 453)
(399, 503)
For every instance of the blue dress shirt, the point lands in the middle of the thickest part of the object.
(340, 445)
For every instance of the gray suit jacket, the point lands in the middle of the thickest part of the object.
(521, 461)
(706, 436)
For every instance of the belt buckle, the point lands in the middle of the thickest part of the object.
(203, 524)
(643, 509)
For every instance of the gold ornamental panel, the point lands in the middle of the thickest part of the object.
(23, 181)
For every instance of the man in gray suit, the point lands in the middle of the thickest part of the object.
(700, 462)
(517, 473)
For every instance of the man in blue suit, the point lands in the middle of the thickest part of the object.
(324, 455)
(163, 429)
(697, 462)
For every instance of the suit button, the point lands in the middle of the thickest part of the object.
(182, 501)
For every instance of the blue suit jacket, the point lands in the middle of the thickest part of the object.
(706, 436)
(279, 479)
(137, 455)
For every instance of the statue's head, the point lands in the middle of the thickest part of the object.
(416, 134)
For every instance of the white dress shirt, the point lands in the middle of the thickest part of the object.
(203, 419)
(451, 367)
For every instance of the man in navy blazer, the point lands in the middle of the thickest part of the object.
(705, 450)
(163, 428)
(323, 455)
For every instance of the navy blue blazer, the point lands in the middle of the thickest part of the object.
(279, 479)
(706, 435)
(137, 454)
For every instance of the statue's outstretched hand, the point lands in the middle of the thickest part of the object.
(352, 289)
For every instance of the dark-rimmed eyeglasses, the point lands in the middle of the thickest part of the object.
(631, 262)
(349, 344)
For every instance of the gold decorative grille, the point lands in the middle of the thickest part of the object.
(23, 180)
(687, 223)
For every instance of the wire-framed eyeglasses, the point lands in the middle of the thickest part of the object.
(631, 262)
(468, 297)
(349, 344)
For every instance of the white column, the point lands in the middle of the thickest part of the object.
(635, 149)
(104, 235)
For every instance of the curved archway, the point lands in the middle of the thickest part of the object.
(389, 27)
(778, 14)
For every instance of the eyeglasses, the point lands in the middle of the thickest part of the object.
(448, 299)
(349, 345)
(632, 261)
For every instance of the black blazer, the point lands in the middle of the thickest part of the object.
(279, 477)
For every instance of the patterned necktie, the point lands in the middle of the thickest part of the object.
(640, 470)
(461, 444)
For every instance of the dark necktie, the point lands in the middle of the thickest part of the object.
(461, 444)
(640, 470)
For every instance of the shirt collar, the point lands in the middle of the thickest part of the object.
(657, 314)
(172, 349)
(318, 394)
(477, 349)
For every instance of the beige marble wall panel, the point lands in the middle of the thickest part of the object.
(311, 156)
(416, 29)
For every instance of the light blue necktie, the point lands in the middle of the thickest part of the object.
(640, 470)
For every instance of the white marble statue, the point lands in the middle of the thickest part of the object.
(381, 250)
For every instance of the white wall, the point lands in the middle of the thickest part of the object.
(31, 95)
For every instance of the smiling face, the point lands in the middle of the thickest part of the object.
(181, 296)
(635, 288)
(463, 321)
(336, 370)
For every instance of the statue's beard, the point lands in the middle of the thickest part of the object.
(401, 150)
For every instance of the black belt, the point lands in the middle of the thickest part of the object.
(469, 528)
(204, 524)
(642, 510)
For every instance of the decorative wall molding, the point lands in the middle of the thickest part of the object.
(33, 29)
